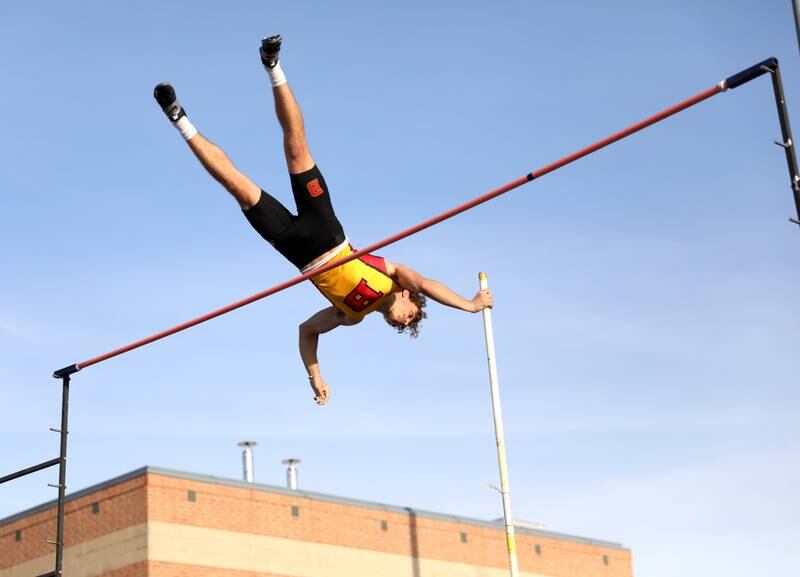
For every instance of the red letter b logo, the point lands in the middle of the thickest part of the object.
(314, 188)
(362, 296)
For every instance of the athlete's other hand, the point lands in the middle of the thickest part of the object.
(320, 388)
(482, 300)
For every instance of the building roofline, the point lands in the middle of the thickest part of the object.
(306, 495)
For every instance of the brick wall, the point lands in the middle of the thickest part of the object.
(86, 518)
(266, 513)
(229, 507)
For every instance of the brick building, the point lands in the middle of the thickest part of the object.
(161, 523)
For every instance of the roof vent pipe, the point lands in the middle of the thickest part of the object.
(247, 459)
(291, 473)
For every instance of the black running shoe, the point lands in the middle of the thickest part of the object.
(165, 96)
(269, 50)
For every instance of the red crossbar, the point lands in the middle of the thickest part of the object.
(413, 230)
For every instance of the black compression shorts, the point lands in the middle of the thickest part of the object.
(303, 237)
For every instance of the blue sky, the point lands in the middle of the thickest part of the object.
(646, 313)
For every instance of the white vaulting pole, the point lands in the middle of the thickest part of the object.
(505, 489)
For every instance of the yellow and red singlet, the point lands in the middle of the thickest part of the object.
(358, 287)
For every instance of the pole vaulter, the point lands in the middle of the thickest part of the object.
(769, 66)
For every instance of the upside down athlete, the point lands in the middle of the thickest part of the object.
(314, 237)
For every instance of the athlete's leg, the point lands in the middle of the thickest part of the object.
(295, 147)
(219, 166)
(211, 156)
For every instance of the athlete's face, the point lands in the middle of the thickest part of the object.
(403, 310)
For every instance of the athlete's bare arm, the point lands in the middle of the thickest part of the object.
(319, 323)
(410, 279)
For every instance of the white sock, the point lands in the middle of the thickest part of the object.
(276, 75)
(185, 127)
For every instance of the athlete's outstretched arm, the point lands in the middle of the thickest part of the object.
(410, 279)
(319, 323)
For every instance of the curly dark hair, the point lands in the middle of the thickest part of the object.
(412, 327)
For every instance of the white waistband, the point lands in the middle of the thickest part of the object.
(332, 253)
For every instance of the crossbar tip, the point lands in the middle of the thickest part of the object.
(65, 372)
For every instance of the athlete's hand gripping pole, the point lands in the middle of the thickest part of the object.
(505, 490)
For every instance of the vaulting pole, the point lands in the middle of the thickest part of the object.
(494, 385)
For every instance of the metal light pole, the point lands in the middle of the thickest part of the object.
(505, 489)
